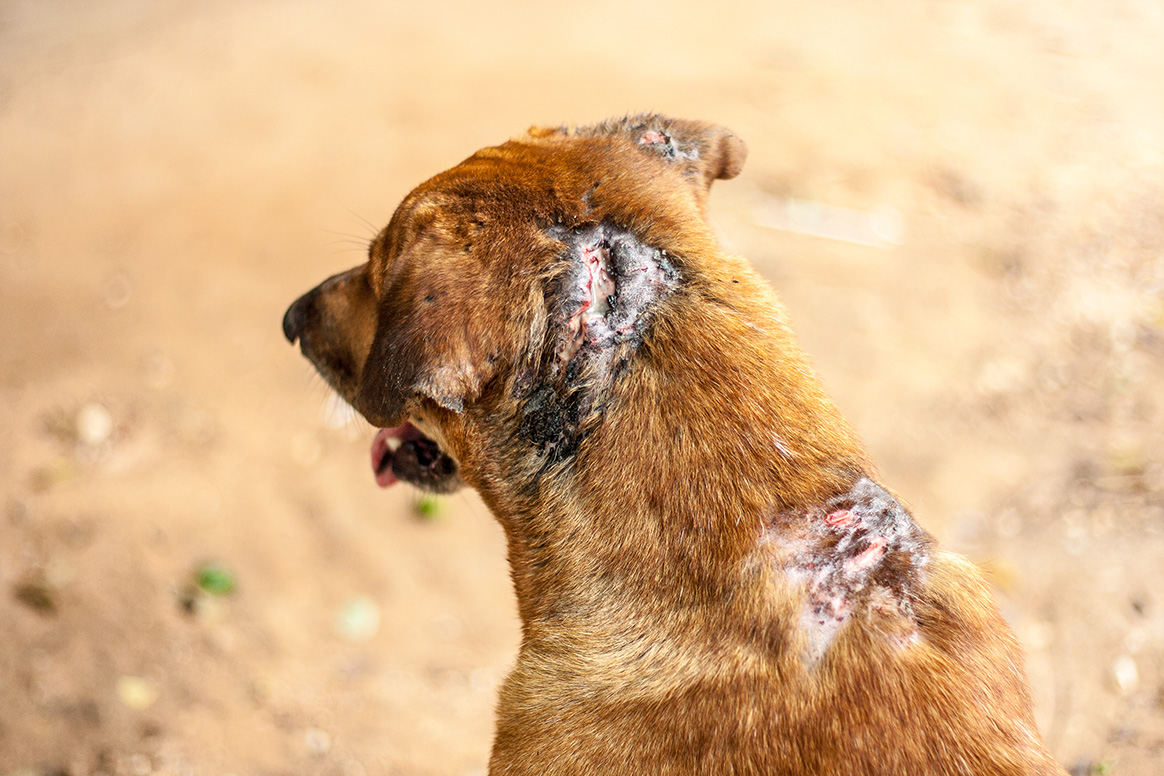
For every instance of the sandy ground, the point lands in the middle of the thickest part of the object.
(173, 174)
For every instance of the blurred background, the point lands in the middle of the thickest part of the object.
(960, 201)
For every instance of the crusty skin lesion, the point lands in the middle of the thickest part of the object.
(606, 294)
(858, 556)
(600, 300)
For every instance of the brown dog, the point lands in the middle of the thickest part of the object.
(710, 580)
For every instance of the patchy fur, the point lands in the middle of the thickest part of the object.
(709, 577)
(859, 556)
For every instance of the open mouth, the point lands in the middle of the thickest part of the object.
(405, 454)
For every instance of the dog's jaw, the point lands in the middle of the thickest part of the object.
(406, 453)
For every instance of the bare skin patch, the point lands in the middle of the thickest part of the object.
(652, 133)
(612, 280)
(599, 309)
(598, 288)
(859, 556)
(668, 147)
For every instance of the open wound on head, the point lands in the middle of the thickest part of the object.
(611, 281)
(598, 287)
(601, 301)
(858, 556)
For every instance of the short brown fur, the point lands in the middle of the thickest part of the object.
(663, 611)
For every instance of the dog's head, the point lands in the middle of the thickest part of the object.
(508, 290)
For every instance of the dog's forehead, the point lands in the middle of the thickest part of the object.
(535, 175)
(485, 205)
(417, 226)
(493, 212)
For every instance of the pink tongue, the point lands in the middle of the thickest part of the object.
(382, 454)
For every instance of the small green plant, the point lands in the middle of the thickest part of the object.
(428, 507)
(214, 579)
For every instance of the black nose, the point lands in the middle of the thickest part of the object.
(296, 316)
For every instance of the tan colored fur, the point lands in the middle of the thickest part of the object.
(663, 624)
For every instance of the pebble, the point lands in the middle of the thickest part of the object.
(94, 424)
(136, 693)
(1125, 674)
(358, 619)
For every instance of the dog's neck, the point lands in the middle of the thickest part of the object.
(664, 491)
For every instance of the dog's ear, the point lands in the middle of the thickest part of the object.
(702, 151)
(416, 352)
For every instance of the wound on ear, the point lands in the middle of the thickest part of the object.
(702, 152)
(668, 147)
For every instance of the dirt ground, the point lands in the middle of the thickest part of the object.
(962, 204)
